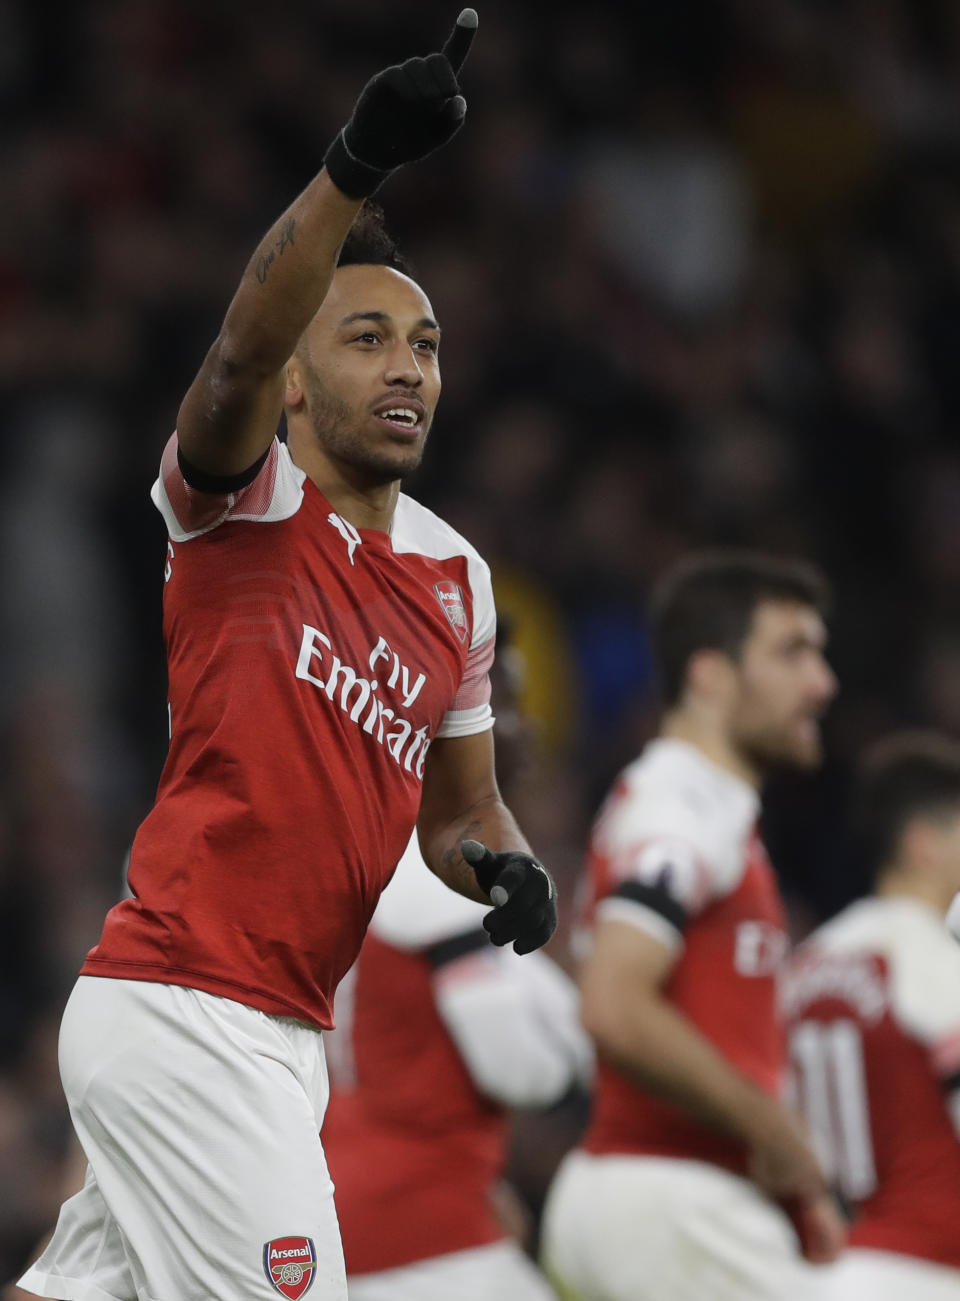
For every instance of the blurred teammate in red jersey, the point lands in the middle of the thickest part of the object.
(874, 1000)
(328, 644)
(438, 1033)
(674, 1189)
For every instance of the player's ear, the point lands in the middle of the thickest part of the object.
(293, 393)
(922, 845)
(711, 676)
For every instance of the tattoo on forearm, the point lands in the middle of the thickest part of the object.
(452, 857)
(286, 235)
(283, 239)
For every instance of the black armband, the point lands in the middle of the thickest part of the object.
(219, 484)
(656, 899)
(457, 946)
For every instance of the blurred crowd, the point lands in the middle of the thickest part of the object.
(698, 269)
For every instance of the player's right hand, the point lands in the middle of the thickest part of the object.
(404, 113)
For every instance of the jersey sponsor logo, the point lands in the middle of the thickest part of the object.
(358, 698)
(451, 602)
(399, 673)
(290, 1264)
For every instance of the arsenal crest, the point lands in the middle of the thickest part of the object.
(451, 600)
(290, 1264)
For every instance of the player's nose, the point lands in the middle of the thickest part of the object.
(827, 684)
(403, 367)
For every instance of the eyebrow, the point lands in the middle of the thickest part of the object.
(424, 323)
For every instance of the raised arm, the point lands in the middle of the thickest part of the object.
(232, 408)
(471, 840)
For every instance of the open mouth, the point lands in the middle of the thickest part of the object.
(406, 419)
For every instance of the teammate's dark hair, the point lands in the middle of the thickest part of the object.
(707, 602)
(907, 775)
(370, 243)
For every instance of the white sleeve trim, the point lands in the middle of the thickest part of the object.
(466, 722)
(617, 909)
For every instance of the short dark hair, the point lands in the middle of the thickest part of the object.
(369, 242)
(707, 602)
(906, 775)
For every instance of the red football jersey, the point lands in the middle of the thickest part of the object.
(310, 666)
(874, 1003)
(676, 852)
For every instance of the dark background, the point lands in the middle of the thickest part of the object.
(698, 268)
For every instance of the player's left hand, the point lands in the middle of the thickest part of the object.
(522, 890)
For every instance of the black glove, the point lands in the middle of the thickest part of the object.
(523, 891)
(403, 113)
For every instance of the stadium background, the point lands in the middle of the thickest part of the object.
(698, 266)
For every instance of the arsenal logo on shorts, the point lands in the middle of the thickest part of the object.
(290, 1264)
(451, 599)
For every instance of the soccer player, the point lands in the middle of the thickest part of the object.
(874, 1001)
(328, 643)
(674, 1190)
(438, 1034)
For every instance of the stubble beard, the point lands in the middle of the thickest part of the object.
(769, 749)
(336, 428)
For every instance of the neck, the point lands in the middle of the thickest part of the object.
(684, 724)
(362, 502)
(899, 882)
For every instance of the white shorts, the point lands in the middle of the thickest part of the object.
(625, 1228)
(862, 1275)
(200, 1120)
(499, 1272)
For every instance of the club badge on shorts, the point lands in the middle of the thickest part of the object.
(291, 1265)
(451, 601)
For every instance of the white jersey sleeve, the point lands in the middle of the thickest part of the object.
(417, 529)
(673, 836)
(275, 492)
(926, 997)
(515, 1021)
(470, 710)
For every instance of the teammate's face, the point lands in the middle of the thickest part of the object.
(783, 686)
(367, 377)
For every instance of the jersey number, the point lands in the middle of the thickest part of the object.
(831, 1092)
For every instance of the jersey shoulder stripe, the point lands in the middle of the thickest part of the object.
(417, 529)
(275, 493)
(677, 822)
